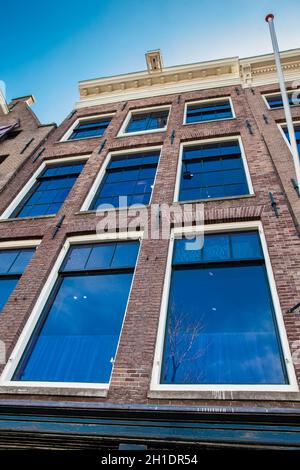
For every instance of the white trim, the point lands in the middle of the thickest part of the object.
(208, 141)
(67, 134)
(13, 361)
(214, 228)
(95, 186)
(280, 126)
(6, 245)
(277, 93)
(27, 187)
(223, 98)
(132, 112)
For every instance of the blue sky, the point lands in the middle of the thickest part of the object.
(47, 47)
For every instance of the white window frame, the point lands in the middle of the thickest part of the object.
(68, 133)
(280, 126)
(30, 183)
(130, 113)
(210, 100)
(98, 181)
(277, 93)
(7, 385)
(194, 143)
(156, 371)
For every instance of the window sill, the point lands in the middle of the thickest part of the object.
(55, 389)
(209, 120)
(225, 395)
(151, 131)
(109, 209)
(227, 198)
(13, 219)
(82, 138)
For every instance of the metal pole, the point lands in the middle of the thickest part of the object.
(286, 105)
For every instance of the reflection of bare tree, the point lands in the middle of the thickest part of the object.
(183, 332)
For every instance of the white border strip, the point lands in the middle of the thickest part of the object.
(214, 228)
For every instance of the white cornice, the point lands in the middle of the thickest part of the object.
(251, 71)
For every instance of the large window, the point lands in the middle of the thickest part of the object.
(77, 335)
(208, 111)
(129, 175)
(12, 264)
(212, 170)
(275, 100)
(89, 128)
(148, 120)
(221, 326)
(50, 190)
(297, 134)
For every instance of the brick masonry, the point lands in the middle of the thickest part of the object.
(270, 166)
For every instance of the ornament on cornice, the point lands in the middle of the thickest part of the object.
(246, 74)
(154, 61)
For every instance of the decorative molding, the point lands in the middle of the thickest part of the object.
(248, 72)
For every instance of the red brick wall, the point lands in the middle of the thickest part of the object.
(270, 168)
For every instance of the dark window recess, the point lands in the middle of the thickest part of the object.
(3, 157)
(13, 134)
(147, 121)
(208, 111)
(297, 134)
(221, 326)
(275, 101)
(131, 176)
(212, 171)
(78, 332)
(93, 128)
(50, 190)
(12, 265)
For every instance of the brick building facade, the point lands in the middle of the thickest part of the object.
(53, 414)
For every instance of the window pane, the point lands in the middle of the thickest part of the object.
(101, 256)
(77, 258)
(7, 257)
(6, 288)
(125, 255)
(246, 245)
(79, 337)
(48, 195)
(216, 248)
(218, 332)
(21, 261)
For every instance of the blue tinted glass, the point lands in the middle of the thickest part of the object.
(187, 250)
(216, 248)
(7, 257)
(90, 129)
(48, 195)
(77, 258)
(6, 288)
(79, 337)
(208, 111)
(101, 256)
(125, 255)
(246, 245)
(21, 261)
(225, 334)
(63, 170)
(212, 150)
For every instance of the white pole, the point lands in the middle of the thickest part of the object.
(286, 105)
